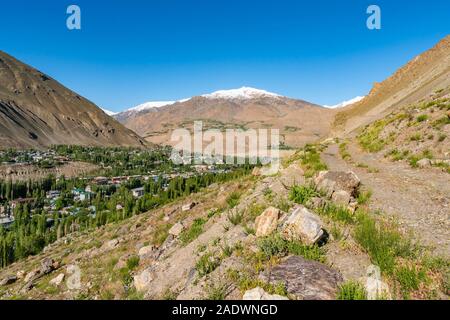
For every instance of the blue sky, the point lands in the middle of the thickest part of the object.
(133, 51)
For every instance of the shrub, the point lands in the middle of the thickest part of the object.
(160, 234)
(133, 262)
(442, 137)
(235, 217)
(233, 199)
(422, 118)
(351, 291)
(206, 264)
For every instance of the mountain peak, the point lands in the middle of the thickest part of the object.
(243, 93)
(346, 103)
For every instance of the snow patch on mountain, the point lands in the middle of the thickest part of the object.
(108, 112)
(243, 93)
(346, 103)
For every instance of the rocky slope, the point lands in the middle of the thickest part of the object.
(246, 108)
(37, 111)
(417, 80)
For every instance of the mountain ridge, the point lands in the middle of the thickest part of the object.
(37, 111)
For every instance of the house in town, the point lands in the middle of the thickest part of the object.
(138, 192)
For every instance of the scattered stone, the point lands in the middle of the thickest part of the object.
(145, 252)
(47, 266)
(8, 280)
(303, 225)
(57, 280)
(424, 163)
(256, 171)
(375, 287)
(341, 197)
(20, 274)
(188, 206)
(143, 280)
(110, 245)
(176, 229)
(332, 181)
(316, 203)
(306, 279)
(267, 222)
(259, 294)
(31, 275)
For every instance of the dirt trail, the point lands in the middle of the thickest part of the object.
(418, 198)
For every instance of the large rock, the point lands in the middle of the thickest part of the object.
(424, 163)
(57, 280)
(145, 252)
(303, 225)
(331, 181)
(8, 280)
(267, 222)
(375, 287)
(176, 229)
(305, 279)
(259, 294)
(341, 197)
(47, 266)
(110, 245)
(143, 280)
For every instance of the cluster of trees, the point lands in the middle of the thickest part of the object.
(122, 161)
(30, 233)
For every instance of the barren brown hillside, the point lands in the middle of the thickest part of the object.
(417, 80)
(37, 111)
(299, 122)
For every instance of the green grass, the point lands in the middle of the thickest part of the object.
(311, 161)
(416, 137)
(351, 291)
(133, 262)
(206, 264)
(422, 118)
(217, 291)
(235, 217)
(161, 233)
(337, 213)
(189, 235)
(233, 199)
(344, 152)
(369, 139)
(276, 246)
(383, 243)
(246, 282)
(409, 279)
(364, 197)
(302, 194)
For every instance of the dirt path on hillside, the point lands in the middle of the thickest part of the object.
(418, 198)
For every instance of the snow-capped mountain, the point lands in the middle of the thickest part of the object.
(241, 94)
(346, 103)
(244, 93)
(108, 112)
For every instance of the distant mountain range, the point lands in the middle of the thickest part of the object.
(298, 121)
